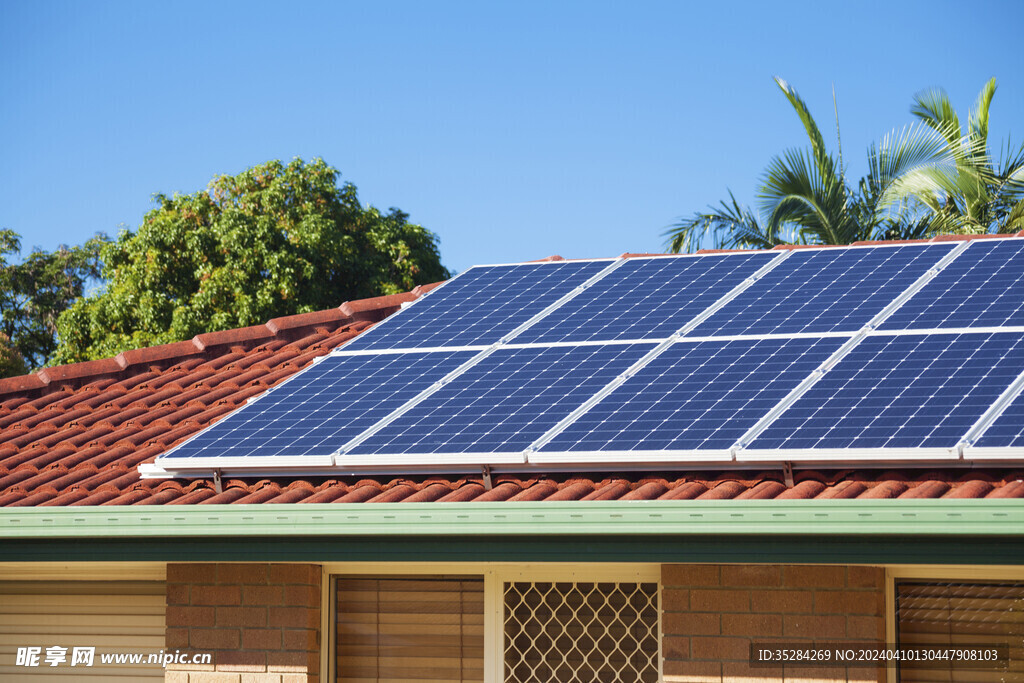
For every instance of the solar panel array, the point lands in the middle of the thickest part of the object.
(883, 352)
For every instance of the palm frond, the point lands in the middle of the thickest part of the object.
(731, 226)
(978, 116)
(825, 164)
(934, 109)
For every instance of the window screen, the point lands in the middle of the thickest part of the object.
(959, 614)
(568, 632)
(428, 628)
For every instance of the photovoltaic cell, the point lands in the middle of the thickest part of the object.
(824, 290)
(646, 298)
(907, 391)
(323, 407)
(506, 401)
(696, 396)
(480, 306)
(982, 287)
(1008, 429)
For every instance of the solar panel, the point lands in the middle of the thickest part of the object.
(824, 290)
(982, 287)
(504, 402)
(901, 391)
(696, 396)
(320, 409)
(1007, 431)
(480, 306)
(646, 298)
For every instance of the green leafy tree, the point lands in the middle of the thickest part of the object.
(975, 194)
(805, 197)
(33, 293)
(274, 240)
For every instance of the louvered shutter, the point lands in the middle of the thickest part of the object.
(112, 616)
(959, 614)
(410, 629)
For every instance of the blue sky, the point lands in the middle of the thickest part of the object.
(512, 130)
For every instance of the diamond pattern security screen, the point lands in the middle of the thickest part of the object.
(581, 632)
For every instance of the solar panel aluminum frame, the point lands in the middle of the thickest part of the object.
(632, 459)
(966, 446)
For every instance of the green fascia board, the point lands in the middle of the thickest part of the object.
(856, 518)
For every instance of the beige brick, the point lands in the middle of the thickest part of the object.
(752, 575)
(175, 676)
(690, 575)
(719, 600)
(261, 678)
(214, 677)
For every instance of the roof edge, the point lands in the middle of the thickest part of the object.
(1003, 518)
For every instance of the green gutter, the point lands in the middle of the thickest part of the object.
(770, 518)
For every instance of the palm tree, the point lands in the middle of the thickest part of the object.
(806, 199)
(974, 195)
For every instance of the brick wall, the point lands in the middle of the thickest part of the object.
(261, 622)
(712, 614)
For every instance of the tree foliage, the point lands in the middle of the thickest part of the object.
(976, 194)
(274, 240)
(806, 198)
(33, 293)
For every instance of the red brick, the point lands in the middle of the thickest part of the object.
(865, 577)
(720, 648)
(216, 595)
(308, 574)
(675, 600)
(694, 672)
(709, 600)
(743, 671)
(753, 575)
(191, 573)
(866, 628)
(235, 660)
(691, 624)
(176, 638)
(816, 673)
(784, 602)
(752, 625)
(242, 616)
(177, 594)
(189, 616)
(675, 647)
(292, 662)
(806, 626)
(814, 576)
(689, 575)
(242, 573)
(294, 617)
(261, 639)
(302, 596)
(214, 638)
(262, 595)
(305, 639)
(849, 602)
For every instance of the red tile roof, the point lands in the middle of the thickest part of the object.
(76, 434)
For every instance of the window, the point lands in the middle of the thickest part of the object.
(514, 624)
(960, 613)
